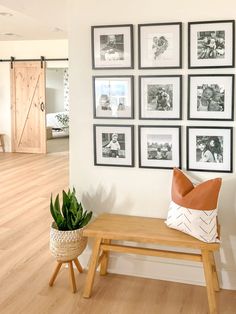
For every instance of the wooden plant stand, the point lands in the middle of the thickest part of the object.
(110, 227)
(72, 275)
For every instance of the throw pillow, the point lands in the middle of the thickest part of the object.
(193, 210)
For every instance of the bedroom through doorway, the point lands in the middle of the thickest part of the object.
(57, 109)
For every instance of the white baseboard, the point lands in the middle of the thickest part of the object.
(162, 269)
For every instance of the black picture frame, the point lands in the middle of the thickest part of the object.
(128, 99)
(113, 64)
(101, 157)
(153, 162)
(230, 52)
(143, 114)
(226, 165)
(215, 101)
(176, 64)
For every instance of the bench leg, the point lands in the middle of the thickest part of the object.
(105, 260)
(92, 268)
(214, 271)
(2, 143)
(207, 265)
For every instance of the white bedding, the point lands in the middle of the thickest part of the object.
(52, 121)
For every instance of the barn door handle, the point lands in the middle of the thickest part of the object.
(42, 106)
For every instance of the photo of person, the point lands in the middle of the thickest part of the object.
(211, 44)
(210, 97)
(113, 145)
(159, 146)
(113, 96)
(159, 46)
(112, 47)
(160, 97)
(209, 149)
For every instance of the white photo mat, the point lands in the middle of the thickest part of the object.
(211, 26)
(106, 86)
(175, 113)
(126, 31)
(171, 57)
(193, 164)
(98, 145)
(224, 81)
(174, 132)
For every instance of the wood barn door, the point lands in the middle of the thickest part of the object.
(28, 107)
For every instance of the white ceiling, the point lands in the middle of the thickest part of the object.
(33, 19)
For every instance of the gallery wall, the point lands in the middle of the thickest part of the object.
(135, 191)
(22, 50)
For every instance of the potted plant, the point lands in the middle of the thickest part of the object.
(66, 239)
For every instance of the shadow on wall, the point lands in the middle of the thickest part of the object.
(102, 201)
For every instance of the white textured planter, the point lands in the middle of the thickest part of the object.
(67, 245)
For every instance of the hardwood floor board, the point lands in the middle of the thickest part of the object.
(26, 183)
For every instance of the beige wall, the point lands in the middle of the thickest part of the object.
(23, 50)
(135, 191)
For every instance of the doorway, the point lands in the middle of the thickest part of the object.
(40, 107)
(57, 109)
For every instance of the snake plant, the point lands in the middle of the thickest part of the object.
(69, 216)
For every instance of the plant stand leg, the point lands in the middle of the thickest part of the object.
(72, 275)
(54, 276)
(78, 265)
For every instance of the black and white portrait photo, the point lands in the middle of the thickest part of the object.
(209, 149)
(159, 146)
(113, 97)
(160, 45)
(211, 44)
(113, 145)
(160, 97)
(112, 46)
(210, 97)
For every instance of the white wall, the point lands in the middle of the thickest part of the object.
(54, 90)
(135, 191)
(23, 50)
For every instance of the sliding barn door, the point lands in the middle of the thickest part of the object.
(28, 107)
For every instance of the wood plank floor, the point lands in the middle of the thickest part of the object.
(26, 182)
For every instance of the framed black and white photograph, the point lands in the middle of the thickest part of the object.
(113, 97)
(210, 149)
(114, 145)
(160, 97)
(159, 146)
(160, 45)
(112, 46)
(211, 97)
(211, 44)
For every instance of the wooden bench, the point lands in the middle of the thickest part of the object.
(110, 227)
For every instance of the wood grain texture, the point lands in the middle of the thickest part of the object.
(26, 182)
(144, 230)
(28, 107)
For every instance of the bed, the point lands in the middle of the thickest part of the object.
(53, 122)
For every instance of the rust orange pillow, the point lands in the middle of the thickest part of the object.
(193, 209)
